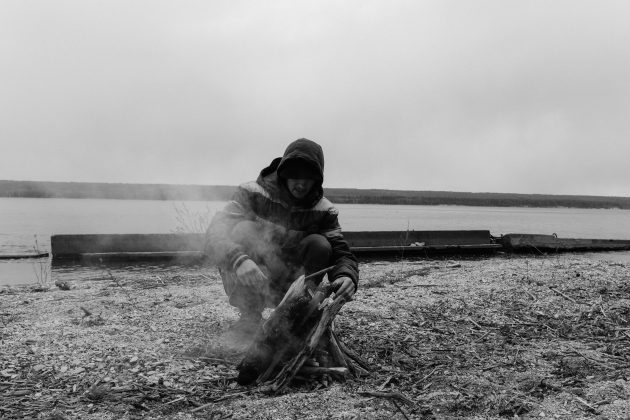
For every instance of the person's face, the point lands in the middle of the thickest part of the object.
(300, 188)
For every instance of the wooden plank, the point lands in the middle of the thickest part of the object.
(426, 237)
(182, 257)
(420, 249)
(23, 256)
(72, 245)
(128, 245)
(519, 242)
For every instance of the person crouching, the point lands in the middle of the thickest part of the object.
(275, 229)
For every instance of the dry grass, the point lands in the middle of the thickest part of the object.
(485, 338)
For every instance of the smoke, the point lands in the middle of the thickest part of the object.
(283, 335)
(190, 220)
(271, 247)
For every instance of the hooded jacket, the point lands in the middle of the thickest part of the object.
(267, 200)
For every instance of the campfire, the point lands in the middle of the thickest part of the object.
(298, 341)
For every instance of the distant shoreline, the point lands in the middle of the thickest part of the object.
(87, 190)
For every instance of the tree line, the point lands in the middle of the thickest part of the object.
(47, 189)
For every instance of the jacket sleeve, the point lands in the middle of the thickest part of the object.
(219, 247)
(345, 262)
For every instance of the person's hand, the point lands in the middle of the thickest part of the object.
(343, 288)
(250, 274)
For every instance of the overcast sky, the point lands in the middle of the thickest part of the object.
(499, 96)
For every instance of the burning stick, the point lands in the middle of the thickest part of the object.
(317, 273)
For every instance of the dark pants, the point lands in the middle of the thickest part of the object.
(281, 261)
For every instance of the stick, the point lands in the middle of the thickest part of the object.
(175, 400)
(213, 359)
(317, 273)
(425, 377)
(400, 409)
(590, 407)
(362, 363)
(530, 295)
(602, 364)
(393, 395)
(318, 370)
(387, 381)
(214, 400)
(335, 351)
(355, 370)
(563, 295)
(482, 337)
(477, 325)
(419, 285)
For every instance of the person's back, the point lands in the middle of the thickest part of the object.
(274, 229)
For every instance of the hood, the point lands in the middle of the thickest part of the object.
(303, 151)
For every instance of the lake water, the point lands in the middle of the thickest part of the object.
(26, 223)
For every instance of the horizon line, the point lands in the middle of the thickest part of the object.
(328, 188)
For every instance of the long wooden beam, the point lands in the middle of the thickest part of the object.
(520, 242)
(190, 246)
(131, 247)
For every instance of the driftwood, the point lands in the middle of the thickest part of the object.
(300, 329)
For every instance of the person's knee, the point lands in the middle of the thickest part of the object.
(316, 250)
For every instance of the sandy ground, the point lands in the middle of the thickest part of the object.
(524, 336)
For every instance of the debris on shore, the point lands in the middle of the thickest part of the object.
(544, 336)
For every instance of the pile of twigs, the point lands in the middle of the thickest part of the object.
(301, 325)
